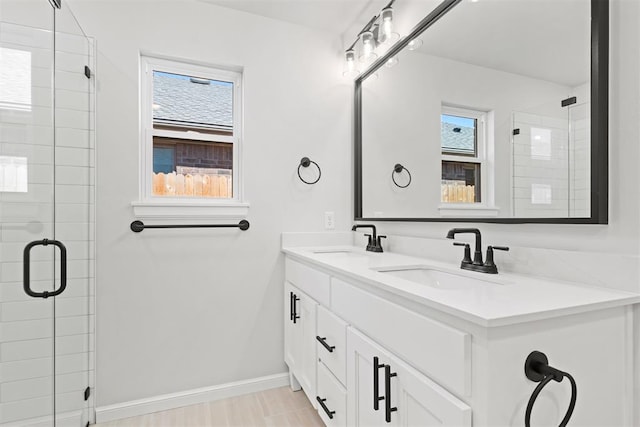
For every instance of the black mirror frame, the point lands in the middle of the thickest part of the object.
(599, 123)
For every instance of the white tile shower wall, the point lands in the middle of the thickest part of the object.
(541, 175)
(26, 365)
(21, 316)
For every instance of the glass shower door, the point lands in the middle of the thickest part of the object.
(46, 230)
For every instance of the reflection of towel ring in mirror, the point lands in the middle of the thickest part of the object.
(306, 162)
(397, 169)
(537, 369)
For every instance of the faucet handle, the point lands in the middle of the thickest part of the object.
(467, 252)
(370, 239)
(489, 263)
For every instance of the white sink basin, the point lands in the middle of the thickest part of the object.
(425, 275)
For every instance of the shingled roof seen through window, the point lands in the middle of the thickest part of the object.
(458, 134)
(185, 100)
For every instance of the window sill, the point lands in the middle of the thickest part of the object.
(171, 209)
(467, 210)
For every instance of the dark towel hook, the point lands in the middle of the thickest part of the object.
(537, 369)
(306, 162)
(397, 169)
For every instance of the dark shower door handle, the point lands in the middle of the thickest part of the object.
(26, 259)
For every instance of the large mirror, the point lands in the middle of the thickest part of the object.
(489, 111)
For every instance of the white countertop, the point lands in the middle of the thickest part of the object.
(501, 299)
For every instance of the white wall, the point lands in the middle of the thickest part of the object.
(182, 309)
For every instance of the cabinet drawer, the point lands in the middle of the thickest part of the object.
(333, 331)
(438, 350)
(309, 280)
(329, 388)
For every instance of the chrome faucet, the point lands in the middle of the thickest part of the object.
(489, 265)
(374, 243)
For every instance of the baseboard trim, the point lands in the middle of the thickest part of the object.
(164, 402)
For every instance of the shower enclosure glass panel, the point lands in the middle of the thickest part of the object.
(551, 161)
(46, 197)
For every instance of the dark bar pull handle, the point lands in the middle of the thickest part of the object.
(26, 261)
(323, 341)
(376, 383)
(387, 393)
(326, 410)
(295, 308)
(291, 306)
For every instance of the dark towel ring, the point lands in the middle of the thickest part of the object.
(306, 162)
(537, 369)
(397, 169)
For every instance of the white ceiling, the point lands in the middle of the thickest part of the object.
(334, 16)
(544, 39)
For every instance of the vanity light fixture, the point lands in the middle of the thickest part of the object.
(376, 33)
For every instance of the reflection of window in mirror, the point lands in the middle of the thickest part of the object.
(462, 138)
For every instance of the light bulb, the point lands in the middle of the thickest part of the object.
(414, 44)
(391, 62)
(350, 69)
(368, 46)
(385, 31)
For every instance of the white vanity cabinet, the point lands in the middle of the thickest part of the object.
(442, 368)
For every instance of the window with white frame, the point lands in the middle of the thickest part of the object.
(462, 137)
(191, 124)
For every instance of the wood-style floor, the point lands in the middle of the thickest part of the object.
(270, 408)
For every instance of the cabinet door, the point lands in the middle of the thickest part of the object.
(291, 350)
(361, 401)
(414, 399)
(300, 338)
(421, 402)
